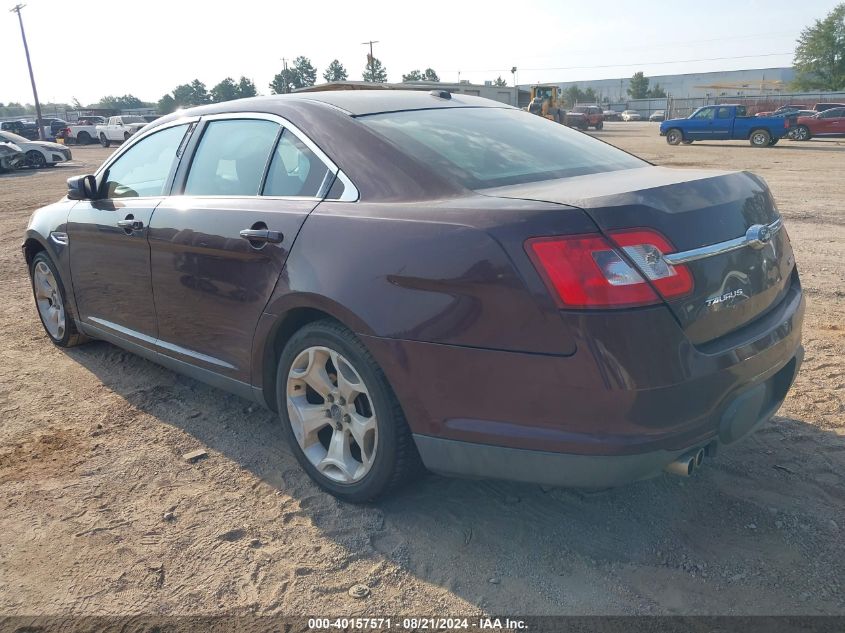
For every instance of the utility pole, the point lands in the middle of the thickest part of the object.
(38, 122)
(285, 73)
(370, 59)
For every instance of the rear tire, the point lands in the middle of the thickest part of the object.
(83, 138)
(599, 125)
(388, 457)
(802, 133)
(104, 141)
(760, 138)
(51, 302)
(674, 136)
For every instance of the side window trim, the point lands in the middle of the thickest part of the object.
(102, 172)
(350, 191)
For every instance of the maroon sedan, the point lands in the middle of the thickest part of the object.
(419, 279)
(827, 123)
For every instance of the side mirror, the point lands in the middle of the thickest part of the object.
(81, 188)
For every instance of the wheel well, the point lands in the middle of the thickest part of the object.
(286, 327)
(31, 248)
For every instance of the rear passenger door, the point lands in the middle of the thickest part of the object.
(219, 243)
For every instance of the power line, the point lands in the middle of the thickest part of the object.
(39, 123)
(675, 61)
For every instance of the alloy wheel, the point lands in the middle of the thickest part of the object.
(332, 415)
(48, 297)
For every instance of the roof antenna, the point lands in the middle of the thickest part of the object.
(441, 94)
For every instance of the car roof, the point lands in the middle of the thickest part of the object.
(354, 102)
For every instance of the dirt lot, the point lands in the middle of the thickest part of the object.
(99, 514)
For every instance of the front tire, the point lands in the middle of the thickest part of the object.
(340, 415)
(35, 159)
(674, 136)
(51, 302)
(105, 142)
(760, 138)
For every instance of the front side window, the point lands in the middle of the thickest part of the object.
(295, 170)
(143, 169)
(231, 158)
(491, 147)
(704, 114)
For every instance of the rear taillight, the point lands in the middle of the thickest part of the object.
(585, 271)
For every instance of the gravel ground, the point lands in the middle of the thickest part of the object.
(99, 513)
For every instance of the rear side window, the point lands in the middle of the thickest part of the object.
(143, 169)
(491, 147)
(295, 170)
(231, 157)
(723, 113)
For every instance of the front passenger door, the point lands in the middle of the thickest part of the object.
(109, 254)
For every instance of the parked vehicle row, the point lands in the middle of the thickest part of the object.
(37, 153)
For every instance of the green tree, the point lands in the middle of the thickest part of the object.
(167, 104)
(305, 71)
(375, 70)
(77, 105)
(226, 90)
(820, 53)
(246, 88)
(194, 93)
(284, 82)
(657, 92)
(415, 75)
(573, 95)
(500, 83)
(638, 86)
(590, 96)
(335, 72)
(298, 75)
(119, 103)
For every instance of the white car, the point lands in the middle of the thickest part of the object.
(37, 153)
(10, 156)
(631, 115)
(119, 128)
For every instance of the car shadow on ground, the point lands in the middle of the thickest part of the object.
(751, 532)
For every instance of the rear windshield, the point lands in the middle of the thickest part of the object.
(493, 147)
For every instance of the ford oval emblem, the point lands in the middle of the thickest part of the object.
(758, 235)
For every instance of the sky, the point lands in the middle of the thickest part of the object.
(95, 48)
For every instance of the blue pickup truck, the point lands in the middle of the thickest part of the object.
(725, 122)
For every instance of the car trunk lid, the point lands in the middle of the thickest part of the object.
(694, 209)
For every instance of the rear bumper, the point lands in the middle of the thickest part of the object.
(740, 416)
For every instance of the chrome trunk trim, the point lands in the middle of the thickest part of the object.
(757, 236)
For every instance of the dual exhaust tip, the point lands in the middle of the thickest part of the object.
(687, 463)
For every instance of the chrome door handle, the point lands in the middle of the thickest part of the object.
(262, 235)
(130, 224)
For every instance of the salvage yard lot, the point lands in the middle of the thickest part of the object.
(100, 514)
